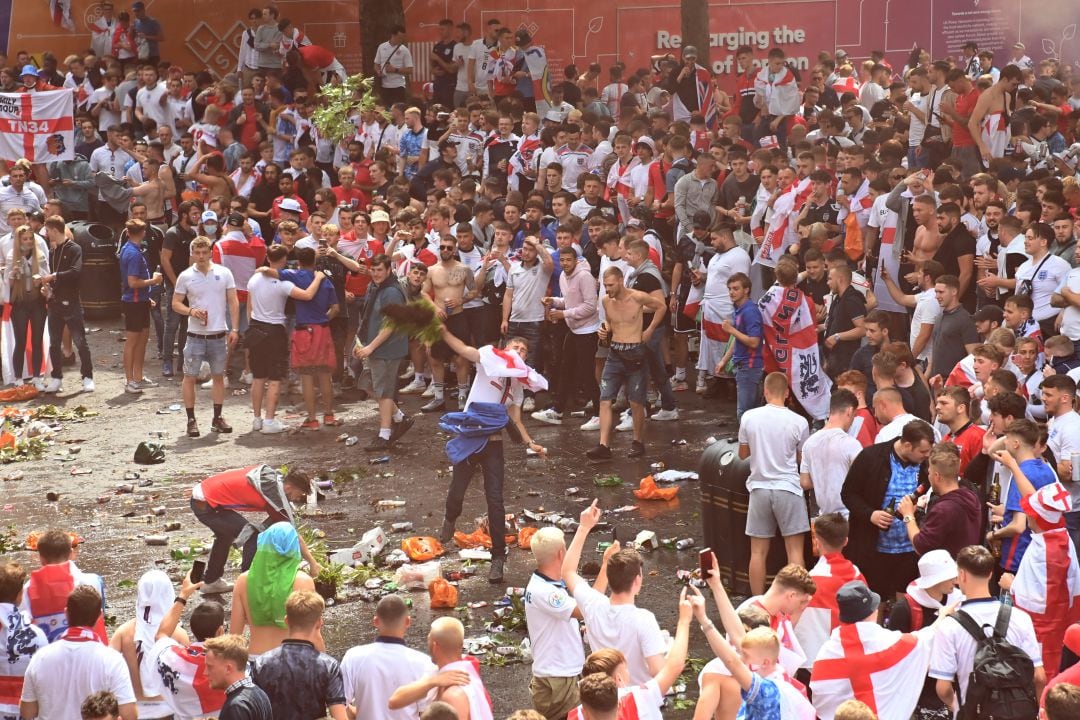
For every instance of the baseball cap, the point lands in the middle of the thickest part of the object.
(553, 116)
(635, 223)
(689, 51)
(209, 216)
(934, 567)
(647, 142)
(379, 216)
(236, 220)
(290, 205)
(702, 220)
(1019, 46)
(856, 602)
(29, 70)
(989, 312)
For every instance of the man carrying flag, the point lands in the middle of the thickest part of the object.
(863, 660)
(1047, 582)
(693, 90)
(494, 403)
(781, 231)
(791, 340)
(46, 593)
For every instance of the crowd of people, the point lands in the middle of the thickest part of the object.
(876, 265)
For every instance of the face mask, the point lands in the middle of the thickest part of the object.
(210, 229)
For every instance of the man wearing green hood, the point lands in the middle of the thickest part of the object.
(260, 593)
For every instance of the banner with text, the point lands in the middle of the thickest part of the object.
(37, 126)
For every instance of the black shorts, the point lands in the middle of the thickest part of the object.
(136, 316)
(681, 323)
(459, 327)
(269, 350)
(474, 318)
(890, 574)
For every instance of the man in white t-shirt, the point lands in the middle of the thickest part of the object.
(927, 309)
(615, 622)
(552, 616)
(372, 672)
(1058, 395)
(463, 50)
(1070, 318)
(772, 437)
(60, 676)
(394, 65)
(151, 101)
(954, 648)
(827, 454)
(269, 343)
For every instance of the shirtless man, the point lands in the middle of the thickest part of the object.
(989, 123)
(153, 190)
(626, 362)
(452, 284)
(263, 637)
(927, 237)
(209, 170)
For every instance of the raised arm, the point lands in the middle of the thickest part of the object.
(588, 519)
(466, 351)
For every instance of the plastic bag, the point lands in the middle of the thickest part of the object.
(418, 576)
(149, 453)
(525, 537)
(443, 595)
(422, 549)
(647, 490)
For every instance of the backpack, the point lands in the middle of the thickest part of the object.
(916, 611)
(1001, 684)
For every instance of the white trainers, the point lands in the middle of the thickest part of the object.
(592, 424)
(548, 416)
(256, 424)
(528, 405)
(409, 373)
(132, 388)
(416, 386)
(147, 383)
(88, 385)
(430, 392)
(37, 382)
(272, 427)
(247, 378)
(53, 386)
(702, 384)
(666, 415)
(626, 422)
(210, 383)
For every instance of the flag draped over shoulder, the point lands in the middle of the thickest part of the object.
(537, 63)
(1047, 587)
(38, 126)
(791, 340)
(822, 615)
(782, 231)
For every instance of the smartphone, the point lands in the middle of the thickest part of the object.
(705, 560)
(197, 569)
(615, 531)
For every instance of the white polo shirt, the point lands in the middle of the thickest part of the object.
(371, 673)
(556, 636)
(207, 292)
(63, 674)
(530, 286)
(267, 297)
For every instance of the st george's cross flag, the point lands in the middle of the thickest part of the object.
(822, 615)
(782, 232)
(792, 347)
(882, 668)
(180, 679)
(38, 126)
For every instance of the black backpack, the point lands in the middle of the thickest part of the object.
(1001, 684)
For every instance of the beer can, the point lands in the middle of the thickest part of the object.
(684, 544)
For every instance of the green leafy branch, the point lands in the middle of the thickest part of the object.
(338, 104)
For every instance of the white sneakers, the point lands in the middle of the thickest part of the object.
(210, 383)
(665, 415)
(132, 388)
(88, 385)
(416, 386)
(430, 392)
(702, 384)
(592, 424)
(52, 386)
(272, 427)
(548, 416)
(528, 405)
(256, 424)
(626, 422)
(247, 378)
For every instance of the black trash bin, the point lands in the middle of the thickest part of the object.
(724, 501)
(99, 286)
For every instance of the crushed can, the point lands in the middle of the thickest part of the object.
(158, 511)
(379, 460)
(401, 527)
(684, 544)
(157, 540)
(172, 527)
(512, 591)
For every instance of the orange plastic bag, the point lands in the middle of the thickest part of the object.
(443, 595)
(422, 549)
(477, 538)
(647, 490)
(18, 393)
(525, 537)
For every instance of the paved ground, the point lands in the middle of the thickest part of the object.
(115, 524)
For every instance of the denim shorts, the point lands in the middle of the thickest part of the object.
(625, 366)
(199, 349)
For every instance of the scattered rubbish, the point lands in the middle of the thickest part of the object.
(149, 453)
(572, 491)
(477, 606)
(145, 483)
(160, 434)
(518, 591)
(648, 490)
(395, 558)
(669, 476)
(422, 548)
(442, 594)
(172, 527)
(81, 471)
(52, 496)
(680, 441)
(353, 440)
(645, 540)
(103, 499)
(370, 544)
(388, 504)
(325, 486)
(711, 440)
(475, 554)
(158, 511)
(658, 466)
(125, 488)
(524, 539)
(379, 460)
(342, 437)
(13, 476)
(373, 583)
(622, 509)
(418, 576)
(157, 540)
(401, 527)
(608, 481)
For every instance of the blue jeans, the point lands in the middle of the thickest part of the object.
(532, 334)
(157, 293)
(226, 526)
(71, 315)
(490, 461)
(747, 388)
(625, 368)
(657, 372)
